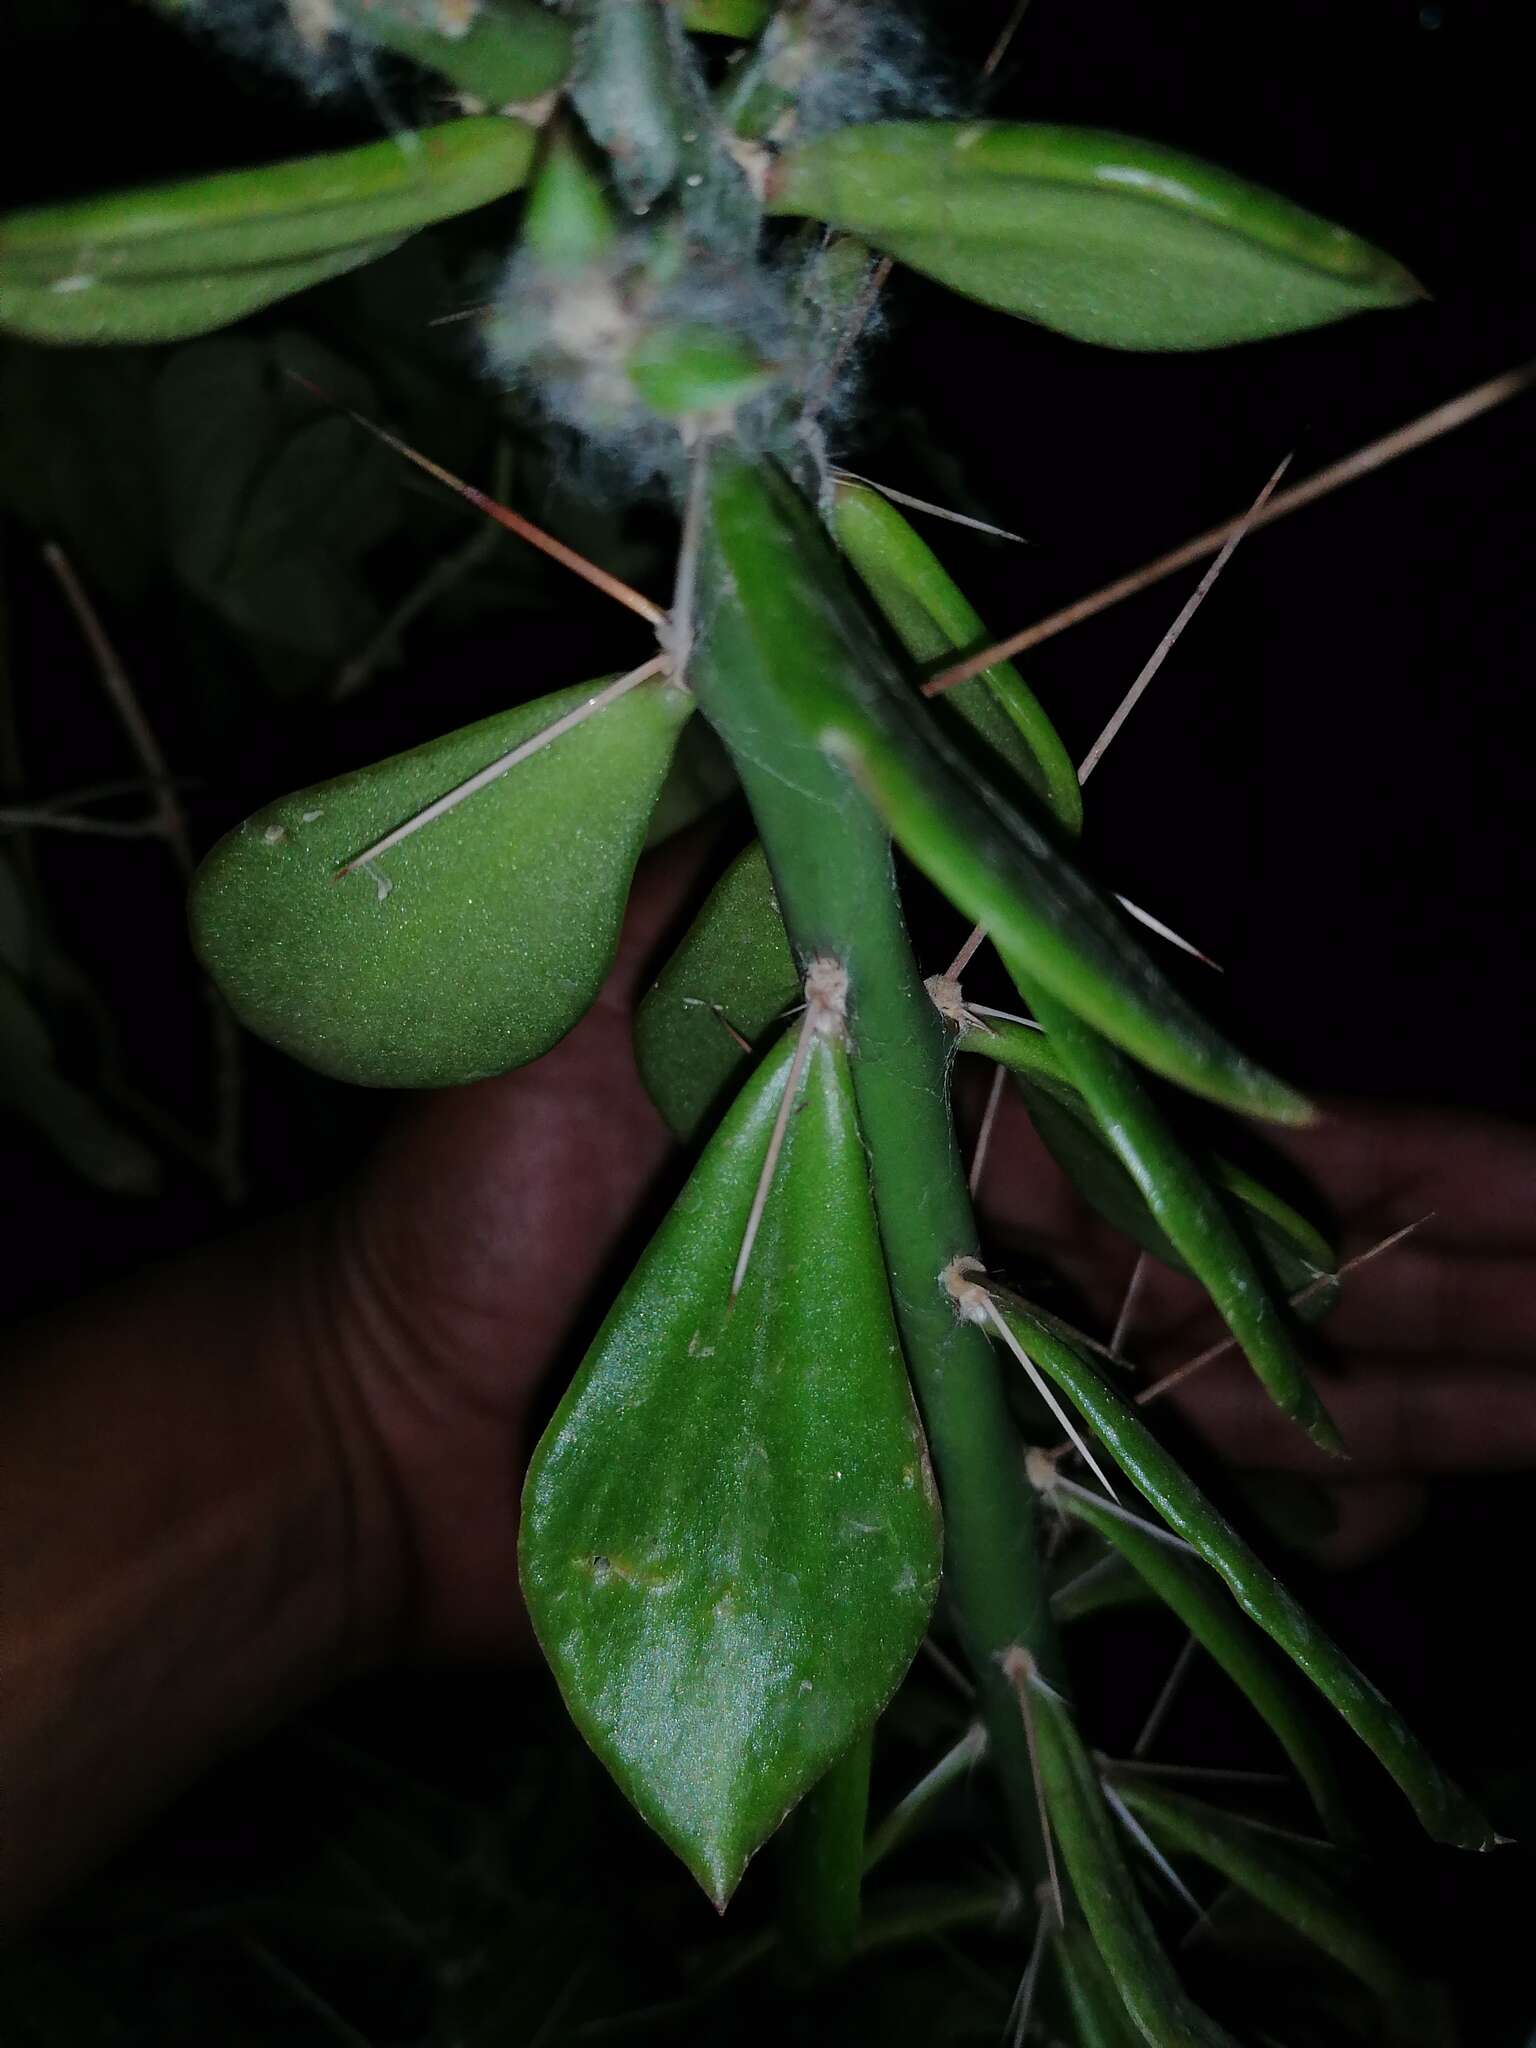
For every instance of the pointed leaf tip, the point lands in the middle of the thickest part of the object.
(730, 1543)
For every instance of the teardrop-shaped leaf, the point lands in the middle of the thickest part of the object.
(1186, 1208)
(1100, 236)
(1298, 1258)
(627, 89)
(1442, 1807)
(998, 867)
(1123, 1934)
(731, 977)
(1205, 1607)
(171, 260)
(730, 1541)
(935, 622)
(1306, 1884)
(476, 942)
(568, 220)
(511, 51)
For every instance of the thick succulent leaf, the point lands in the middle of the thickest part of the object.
(1305, 1884)
(1205, 1607)
(1126, 1939)
(1442, 1807)
(474, 944)
(1295, 1254)
(688, 368)
(628, 90)
(171, 260)
(1112, 240)
(1187, 1208)
(512, 51)
(822, 1873)
(997, 866)
(730, 1539)
(935, 622)
(740, 18)
(102, 311)
(732, 973)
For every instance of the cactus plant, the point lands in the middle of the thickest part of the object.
(804, 1397)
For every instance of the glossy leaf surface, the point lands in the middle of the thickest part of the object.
(1148, 1986)
(1296, 1255)
(1442, 1807)
(732, 973)
(474, 944)
(849, 702)
(935, 622)
(173, 260)
(730, 1540)
(1186, 1208)
(1100, 236)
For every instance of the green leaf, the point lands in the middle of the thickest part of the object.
(474, 944)
(1305, 1884)
(1097, 2012)
(102, 311)
(512, 51)
(850, 703)
(936, 624)
(730, 1540)
(1112, 240)
(1296, 1255)
(1206, 1609)
(739, 18)
(173, 260)
(1186, 1208)
(732, 972)
(1145, 1979)
(1442, 1807)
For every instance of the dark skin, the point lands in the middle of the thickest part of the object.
(240, 1479)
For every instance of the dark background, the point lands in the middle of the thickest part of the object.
(1325, 787)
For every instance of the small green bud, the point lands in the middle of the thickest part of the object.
(689, 368)
(568, 222)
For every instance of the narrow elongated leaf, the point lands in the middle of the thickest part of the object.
(1441, 1806)
(1112, 240)
(100, 311)
(1296, 1255)
(935, 622)
(1205, 1607)
(1305, 1884)
(1126, 1939)
(993, 863)
(1185, 1207)
(1097, 2012)
(732, 975)
(512, 51)
(730, 1540)
(472, 945)
(171, 260)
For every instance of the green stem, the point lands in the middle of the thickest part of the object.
(822, 1863)
(761, 558)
